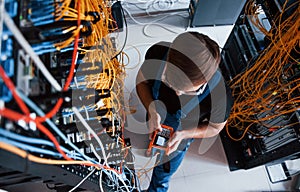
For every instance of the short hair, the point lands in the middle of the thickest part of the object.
(196, 55)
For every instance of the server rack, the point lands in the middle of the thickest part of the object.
(35, 22)
(244, 45)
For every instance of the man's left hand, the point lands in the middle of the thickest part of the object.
(175, 140)
(202, 131)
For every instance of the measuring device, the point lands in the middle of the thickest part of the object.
(160, 139)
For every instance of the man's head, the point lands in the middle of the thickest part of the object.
(192, 60)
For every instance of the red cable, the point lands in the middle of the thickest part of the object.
(12, 115)
(12, 88)
(70, 76)
(65, 88)
(52, 112)
(43, 129)
(17, 116)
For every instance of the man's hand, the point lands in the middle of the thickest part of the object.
(204, 130)
(154, 123)
(175, 140)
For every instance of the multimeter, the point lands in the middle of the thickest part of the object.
(160, 138)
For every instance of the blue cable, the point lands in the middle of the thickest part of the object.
(73, 86)
(50, 1)
(43, 22)
(41, 1)
(30, 148)
(80, 78)
(30, 140)
(51, 32)
(41, 52)
(25, 139)
(34, 149)
(35, 14)
(53, 126)
(46, 47)
(67, 49)
(41, 18)
(68, 113)
(41, 6)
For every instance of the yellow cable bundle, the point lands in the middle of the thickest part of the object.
(98, 12)
(107, 72)
(264, 87)
(95, 16)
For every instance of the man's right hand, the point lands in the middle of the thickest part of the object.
(153, 122)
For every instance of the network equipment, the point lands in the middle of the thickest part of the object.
(160, 139)
(61, 112)
(261, 63)
(211, 13)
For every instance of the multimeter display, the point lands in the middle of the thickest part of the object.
(160, 139)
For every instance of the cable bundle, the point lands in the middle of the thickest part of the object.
(80, 28)
(56, 23)
(272, 85)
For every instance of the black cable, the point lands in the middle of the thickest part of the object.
(126, 33)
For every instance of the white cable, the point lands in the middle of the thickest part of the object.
(135, 46)
(99, 141)
(119, 177)
(140, 23)
(75, 82)
(133, 175)
(86, 125)
(139, 56)
(162, 5)
(95, 152)
(154, 23)
(86, 113)
(160, 25)
(146, 1)
(100, 181)
(158, 2)
(26, 46)
(75, 187)
(136, 4)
